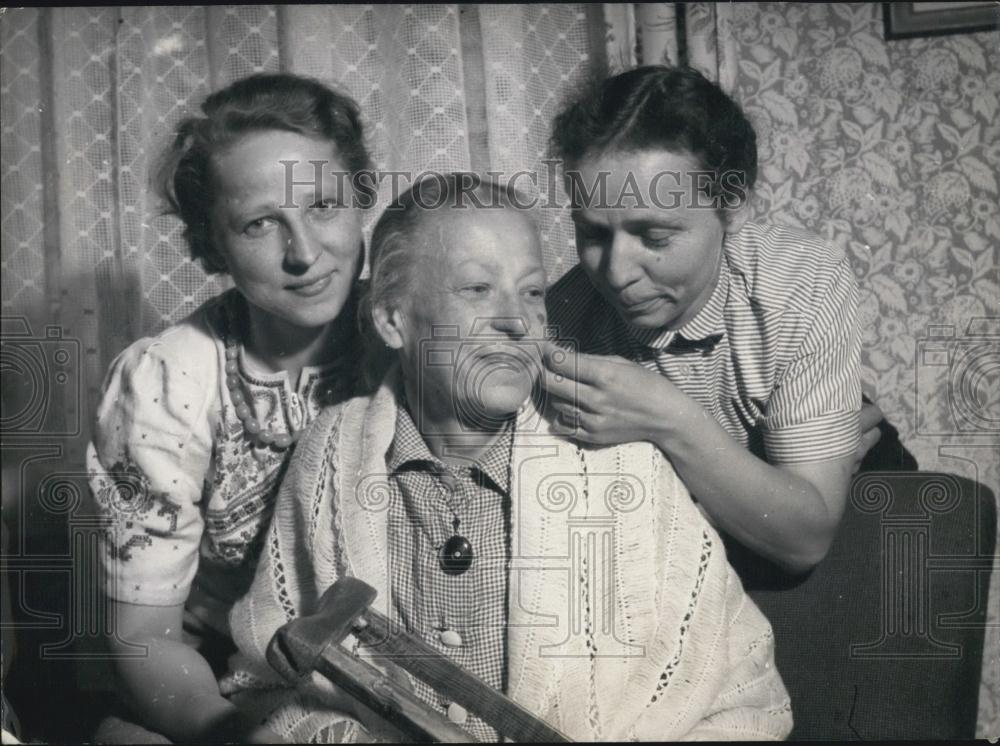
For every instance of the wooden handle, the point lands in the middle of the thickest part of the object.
(452, 681)
(387, 699)
(313, 643)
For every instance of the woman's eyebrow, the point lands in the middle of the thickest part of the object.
(319, 195)
(311, 197)
(588, 225)
(476, 264)
(536, 270)
(243, 211)
(641, 224)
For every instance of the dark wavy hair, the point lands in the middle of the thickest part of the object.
(662, 108)
(266, 101)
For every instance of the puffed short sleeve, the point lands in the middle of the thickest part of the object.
(148, 462)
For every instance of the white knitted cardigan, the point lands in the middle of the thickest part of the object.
(625, 620)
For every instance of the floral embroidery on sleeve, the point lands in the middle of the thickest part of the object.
(125, 495)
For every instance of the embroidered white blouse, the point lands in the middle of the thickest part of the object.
(186, 496)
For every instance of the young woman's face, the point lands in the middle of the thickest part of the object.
(291, 245)
(656, 262)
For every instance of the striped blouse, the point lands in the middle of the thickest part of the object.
(773, 356)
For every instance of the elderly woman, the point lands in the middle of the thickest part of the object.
(584, 583)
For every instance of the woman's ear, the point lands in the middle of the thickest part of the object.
(389, 325)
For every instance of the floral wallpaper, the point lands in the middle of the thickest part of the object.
(892, 151)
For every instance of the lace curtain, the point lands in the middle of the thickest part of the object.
(91, 95)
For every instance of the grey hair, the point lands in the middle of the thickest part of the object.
(392, 258)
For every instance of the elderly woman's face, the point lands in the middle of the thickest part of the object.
(655, 260)
(470, 331)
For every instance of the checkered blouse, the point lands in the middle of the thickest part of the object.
(427, 497)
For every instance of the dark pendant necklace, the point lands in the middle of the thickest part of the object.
(455, 555)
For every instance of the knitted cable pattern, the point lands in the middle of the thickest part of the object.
(657, 596)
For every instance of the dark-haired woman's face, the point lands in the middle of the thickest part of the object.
(652, 244)
(291, 245)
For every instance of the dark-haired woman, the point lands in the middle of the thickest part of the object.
(732, 346)
(197, 424)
